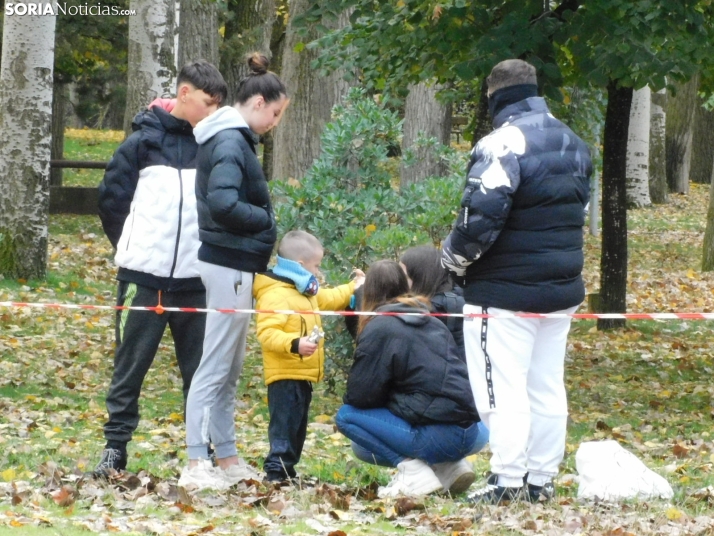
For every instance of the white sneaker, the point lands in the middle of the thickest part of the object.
(455, 477)
(414, 478)
(203, 476)
(238, 472)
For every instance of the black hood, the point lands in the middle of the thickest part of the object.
(416, 318)
(159, 119)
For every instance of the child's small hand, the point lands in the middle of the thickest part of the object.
(359, 277)
(306, 348)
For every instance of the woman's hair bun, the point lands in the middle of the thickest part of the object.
(258, 63)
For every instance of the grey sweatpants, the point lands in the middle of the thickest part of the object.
(211, 399)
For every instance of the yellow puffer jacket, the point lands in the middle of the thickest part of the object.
(276, 332)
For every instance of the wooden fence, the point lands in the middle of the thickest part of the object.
(74, 199)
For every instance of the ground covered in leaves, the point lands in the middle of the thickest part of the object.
(648, 386)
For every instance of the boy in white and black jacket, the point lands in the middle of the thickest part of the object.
(147, 204)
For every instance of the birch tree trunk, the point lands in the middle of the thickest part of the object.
(678, 141)
(638, 150)
(702, 145)
(198, 32)
(151, 71)
(26, 82)
(248, 29)
(658, 160)
(613, 260)
(424, 114)
(297, 138)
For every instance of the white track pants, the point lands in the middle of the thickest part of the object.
(516, 370)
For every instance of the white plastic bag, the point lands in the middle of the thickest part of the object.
(608, 472)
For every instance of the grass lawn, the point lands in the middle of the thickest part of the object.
(648, 386)
(89, 146)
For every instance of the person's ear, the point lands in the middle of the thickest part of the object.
(183, 90)
(259, 102)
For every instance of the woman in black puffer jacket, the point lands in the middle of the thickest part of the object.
(237, 233)
(409, 402)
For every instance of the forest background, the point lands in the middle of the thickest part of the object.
(386, 99)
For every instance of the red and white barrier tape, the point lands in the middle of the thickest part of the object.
(159, 309)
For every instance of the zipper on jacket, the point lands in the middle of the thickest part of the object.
(180, 212)
(131, 229)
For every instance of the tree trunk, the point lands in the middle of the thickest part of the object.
(659, 189)
(425, 115)
(613, 261)
(678, 143)
(151, 70)
(702, 145)
(248, 29)
(60, 95)
(198, 32)
(277, 45)
(708, 247)
(26, 80)
(638, 150)
(297, 138)
(484, 123)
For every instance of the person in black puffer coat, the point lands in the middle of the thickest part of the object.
(147, 204)
(236, 227)
(517, 246)
(408, 402)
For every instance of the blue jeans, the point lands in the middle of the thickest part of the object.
(380, 437)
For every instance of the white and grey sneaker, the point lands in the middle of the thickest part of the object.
(203, 476)
(238, 472)
(414, 478)
(455, 477)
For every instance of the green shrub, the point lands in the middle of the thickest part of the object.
(350, 200)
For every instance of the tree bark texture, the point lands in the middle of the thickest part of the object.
(151, 70)
(248, 29)
(678, 142)
(708, 247)
(60, 99)
(198, 32)
(613, 261)
(638, 150)
(26, 83)
(659, 189)
(484, 123)
(297, 138)
(702, 145)
(277, 45)
(425, 115)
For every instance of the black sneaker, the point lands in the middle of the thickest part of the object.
(112, 460)
(498, 495)
(543, 493)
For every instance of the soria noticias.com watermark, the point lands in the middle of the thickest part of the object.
(57, 8)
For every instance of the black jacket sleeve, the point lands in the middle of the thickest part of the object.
(117, 188)
(226, 195)
(486, 202)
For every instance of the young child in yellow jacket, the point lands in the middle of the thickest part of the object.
(292, 359)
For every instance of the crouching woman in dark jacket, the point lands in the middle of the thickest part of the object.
(409, 403)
